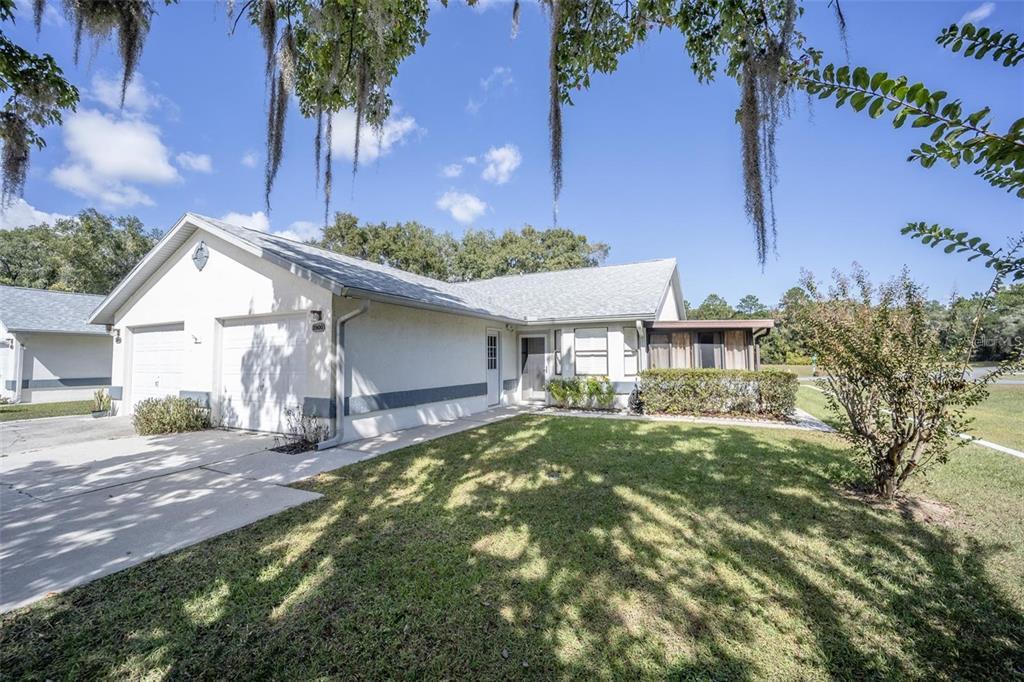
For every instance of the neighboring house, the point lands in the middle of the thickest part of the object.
(253, 324)
(48, 350)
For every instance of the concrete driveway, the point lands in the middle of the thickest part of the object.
(83, 498)
(71, 512)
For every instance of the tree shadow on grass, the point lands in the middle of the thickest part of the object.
(546, 547)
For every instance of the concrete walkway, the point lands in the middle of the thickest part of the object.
(803, 421)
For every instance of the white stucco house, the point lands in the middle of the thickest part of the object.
(251, 324)
(48, 350)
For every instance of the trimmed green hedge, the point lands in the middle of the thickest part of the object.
(169, 415)
(586, 392)
(718, 391)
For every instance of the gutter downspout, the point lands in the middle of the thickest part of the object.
(339, 374)
(19, 367)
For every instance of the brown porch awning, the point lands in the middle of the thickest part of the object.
(711, 324)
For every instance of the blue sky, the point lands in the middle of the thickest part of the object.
(651, 156)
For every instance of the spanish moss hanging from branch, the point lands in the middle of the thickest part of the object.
(16, 136)
(328, 173)
(555, 108)
(764, 102)
(99, 19)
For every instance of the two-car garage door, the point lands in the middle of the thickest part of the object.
(263, 371)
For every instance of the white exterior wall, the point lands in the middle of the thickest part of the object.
(50, 360)
(669, 309)
(233, 284)
(392, 350)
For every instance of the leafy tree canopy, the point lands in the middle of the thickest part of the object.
(478, 254)
(90, 252)
(751, 308)
(344, 54)
(714, 307)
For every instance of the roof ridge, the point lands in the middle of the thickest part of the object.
(579, 269)
(329, 252)
(50, 291)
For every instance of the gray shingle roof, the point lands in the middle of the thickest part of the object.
(614, 292)
(39, 310)
(627, 291)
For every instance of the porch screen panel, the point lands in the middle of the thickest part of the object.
(735, 349)
(590, 350)
(659, 348)
(682, 349)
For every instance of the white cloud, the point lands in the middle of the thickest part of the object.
(463, 207)
(23, 9)
(256, 220)
(301, 231)
(501, 163)
(20, 213)
(249, 159)
(371, 145)
(498, 79)
(137, 99)
(106, 153)
(452, 170)
(978, 14)
(200, 163)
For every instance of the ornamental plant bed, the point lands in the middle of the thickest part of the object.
(765, 394)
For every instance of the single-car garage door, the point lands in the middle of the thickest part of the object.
(157, 355)
(263, 371)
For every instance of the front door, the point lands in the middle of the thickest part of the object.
(493, 375)
(708, 348)
(532, 367)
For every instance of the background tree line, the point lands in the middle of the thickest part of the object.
(1001, 325)
(92, 252)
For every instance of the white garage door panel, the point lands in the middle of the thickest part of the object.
(263, 372)
(157, 358)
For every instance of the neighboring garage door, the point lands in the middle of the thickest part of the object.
(157, 355)
(263, 371)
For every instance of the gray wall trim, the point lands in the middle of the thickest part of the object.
(509, 384)
(116, 392)
(361, 404)
(67, 382)
(323, 408)
(201, 397)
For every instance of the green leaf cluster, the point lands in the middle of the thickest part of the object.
(1005, 264)
(979, 42)
(956, 137)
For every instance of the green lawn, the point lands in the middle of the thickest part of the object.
(38, 410)
(546, 547)
(799, 370)
(998, 419)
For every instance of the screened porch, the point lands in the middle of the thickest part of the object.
(708, 344)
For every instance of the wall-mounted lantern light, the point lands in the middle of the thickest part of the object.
(8, 343)
(117, 335)
(317, 315)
